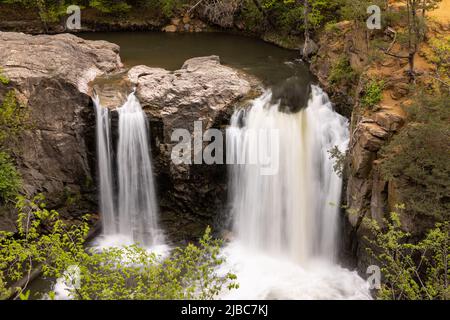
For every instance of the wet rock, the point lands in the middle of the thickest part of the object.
(170, 28)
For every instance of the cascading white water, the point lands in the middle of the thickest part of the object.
(328, 129)
(137, 210)
(293, 211)
(104, 160)
(131, 215)
(284, 223)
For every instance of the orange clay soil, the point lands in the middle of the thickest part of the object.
(442, 14)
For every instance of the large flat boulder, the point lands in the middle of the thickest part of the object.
(193, 195)
(75, 60)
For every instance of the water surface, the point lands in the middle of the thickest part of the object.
(273, 65)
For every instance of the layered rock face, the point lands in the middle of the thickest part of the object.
(367, 194)
(191, 195)
(50, 75)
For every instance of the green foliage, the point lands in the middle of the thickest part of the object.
(48, 10)
(110, 6)
(440, 56)
(188, 273)
(331, 27)
(287, 16)
(418, 155)
(253, 18)
(170, 7)
(4, 291)
(411, 271)
(128, 272)
(3, 79)
(357, 10)
(10, 180)
(339, 160)
(372, 93)
(341, 72)
(13, 119)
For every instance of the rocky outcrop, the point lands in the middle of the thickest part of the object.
(191, 195)
(343, 42)
(50, 75)
(367, 194)
(186, 24)
(65, 56)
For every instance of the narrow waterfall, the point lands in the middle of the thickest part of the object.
(294, 210)
(133, 216)
(137, 200)
(104, 160)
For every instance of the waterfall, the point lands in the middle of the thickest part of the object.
(137, 200)
(133, 217)
(104, 160)
(285, 220)
(294, 211)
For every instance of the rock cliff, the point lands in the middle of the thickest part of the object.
(51, 75)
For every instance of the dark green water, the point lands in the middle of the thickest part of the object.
(272, 64)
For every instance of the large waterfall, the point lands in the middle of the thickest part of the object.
(133, 217)
(285, 221)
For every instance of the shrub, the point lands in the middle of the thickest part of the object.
(13, 119)
(3, 79)
(411, 271)
(440, 56)
(332, 27)
(418, 155)
(251, 16)
(10, 180)
(372, 93)
(341, 71)
(128, 272)
(110, 6)
(339, 158)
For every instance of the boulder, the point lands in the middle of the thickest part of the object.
(74, 60)
(170, 28)
(202, 90)
(51, 76)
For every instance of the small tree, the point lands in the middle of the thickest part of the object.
(411, 271)
(44, 240)
(415, 29)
